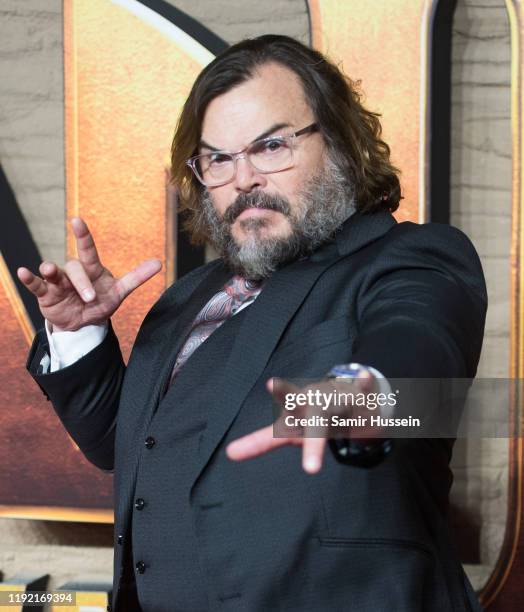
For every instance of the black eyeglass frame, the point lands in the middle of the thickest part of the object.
(192, 161)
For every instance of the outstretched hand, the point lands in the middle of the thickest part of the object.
(84, 292)
(313, 447)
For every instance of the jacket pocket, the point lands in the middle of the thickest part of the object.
(374, 544)
(376, 575)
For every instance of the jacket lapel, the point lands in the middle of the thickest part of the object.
(171, 337)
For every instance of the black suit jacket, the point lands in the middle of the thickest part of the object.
(200, 532)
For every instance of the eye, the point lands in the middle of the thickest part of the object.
(268, 147)
(274, 145)
(216, 159)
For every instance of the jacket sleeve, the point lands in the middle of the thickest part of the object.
(85, 395)
(422, 308)
(421, 314)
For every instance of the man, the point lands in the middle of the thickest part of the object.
(287, 177)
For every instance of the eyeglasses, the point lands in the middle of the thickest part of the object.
(267, 155)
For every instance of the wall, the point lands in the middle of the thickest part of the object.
(481, 207)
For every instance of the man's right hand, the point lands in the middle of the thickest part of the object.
(84, 292)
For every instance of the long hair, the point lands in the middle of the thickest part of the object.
(352, 133)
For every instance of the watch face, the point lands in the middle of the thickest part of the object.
(347, 370)
(348, 380)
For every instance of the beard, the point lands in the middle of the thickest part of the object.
(326, 201)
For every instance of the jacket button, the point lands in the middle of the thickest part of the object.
(140, 503)
(150, 442)
(140, 567)
(120, 539)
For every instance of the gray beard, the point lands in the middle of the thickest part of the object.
(326, 201)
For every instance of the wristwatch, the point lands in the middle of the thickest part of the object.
(358, 453)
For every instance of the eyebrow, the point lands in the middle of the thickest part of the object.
(276, 126)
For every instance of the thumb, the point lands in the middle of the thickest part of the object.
(138, 276)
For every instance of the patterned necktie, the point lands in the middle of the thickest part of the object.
(219, 308)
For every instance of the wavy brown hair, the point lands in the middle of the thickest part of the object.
(351, 132)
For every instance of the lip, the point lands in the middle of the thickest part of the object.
(254, 212)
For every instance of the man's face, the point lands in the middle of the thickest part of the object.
(271, 103)
(259, 222)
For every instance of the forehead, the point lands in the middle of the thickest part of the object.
(274, 95)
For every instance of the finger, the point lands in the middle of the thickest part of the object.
(314, 438)
(280, 388)
(34, 283)
(77, 275)
(48, 270)
(86, 247)
(365, 380)
(52, 273)
(254, 444)
(142, 273)
(313, 454)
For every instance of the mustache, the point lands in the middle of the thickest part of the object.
(256, 200)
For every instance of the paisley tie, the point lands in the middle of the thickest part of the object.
(219, 308)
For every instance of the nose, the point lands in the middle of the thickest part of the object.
(247, 177)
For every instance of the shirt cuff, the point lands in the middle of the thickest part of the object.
(67, 347)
